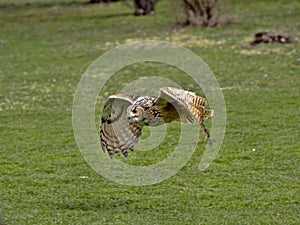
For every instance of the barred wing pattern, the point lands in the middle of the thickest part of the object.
(116, 133)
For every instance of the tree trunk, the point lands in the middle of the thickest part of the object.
(201, 12)
(143, 7)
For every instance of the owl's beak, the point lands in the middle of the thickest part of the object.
(129, 115)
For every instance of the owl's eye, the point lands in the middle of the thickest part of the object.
(134, 110)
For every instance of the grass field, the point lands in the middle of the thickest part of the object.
(45, 48)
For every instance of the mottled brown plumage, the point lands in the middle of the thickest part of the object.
(124, 116)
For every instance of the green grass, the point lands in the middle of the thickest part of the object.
(45, 48)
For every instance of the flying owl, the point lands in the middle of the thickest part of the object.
(125, 115)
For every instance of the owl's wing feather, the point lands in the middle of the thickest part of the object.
(185, 107)
(173, 108)
(116, 133)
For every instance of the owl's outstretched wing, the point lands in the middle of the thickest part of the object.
(183, 106)
(116, 133)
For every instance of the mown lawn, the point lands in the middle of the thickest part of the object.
(45, 48)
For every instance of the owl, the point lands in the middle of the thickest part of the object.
(125, 115)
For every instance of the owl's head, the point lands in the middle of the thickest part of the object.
(141, 110)
(135, 114)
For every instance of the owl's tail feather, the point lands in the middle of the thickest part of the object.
(208, 113)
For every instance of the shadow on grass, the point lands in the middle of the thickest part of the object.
(63, 4)
(41, 4)
(1, 221)
(109, 16)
